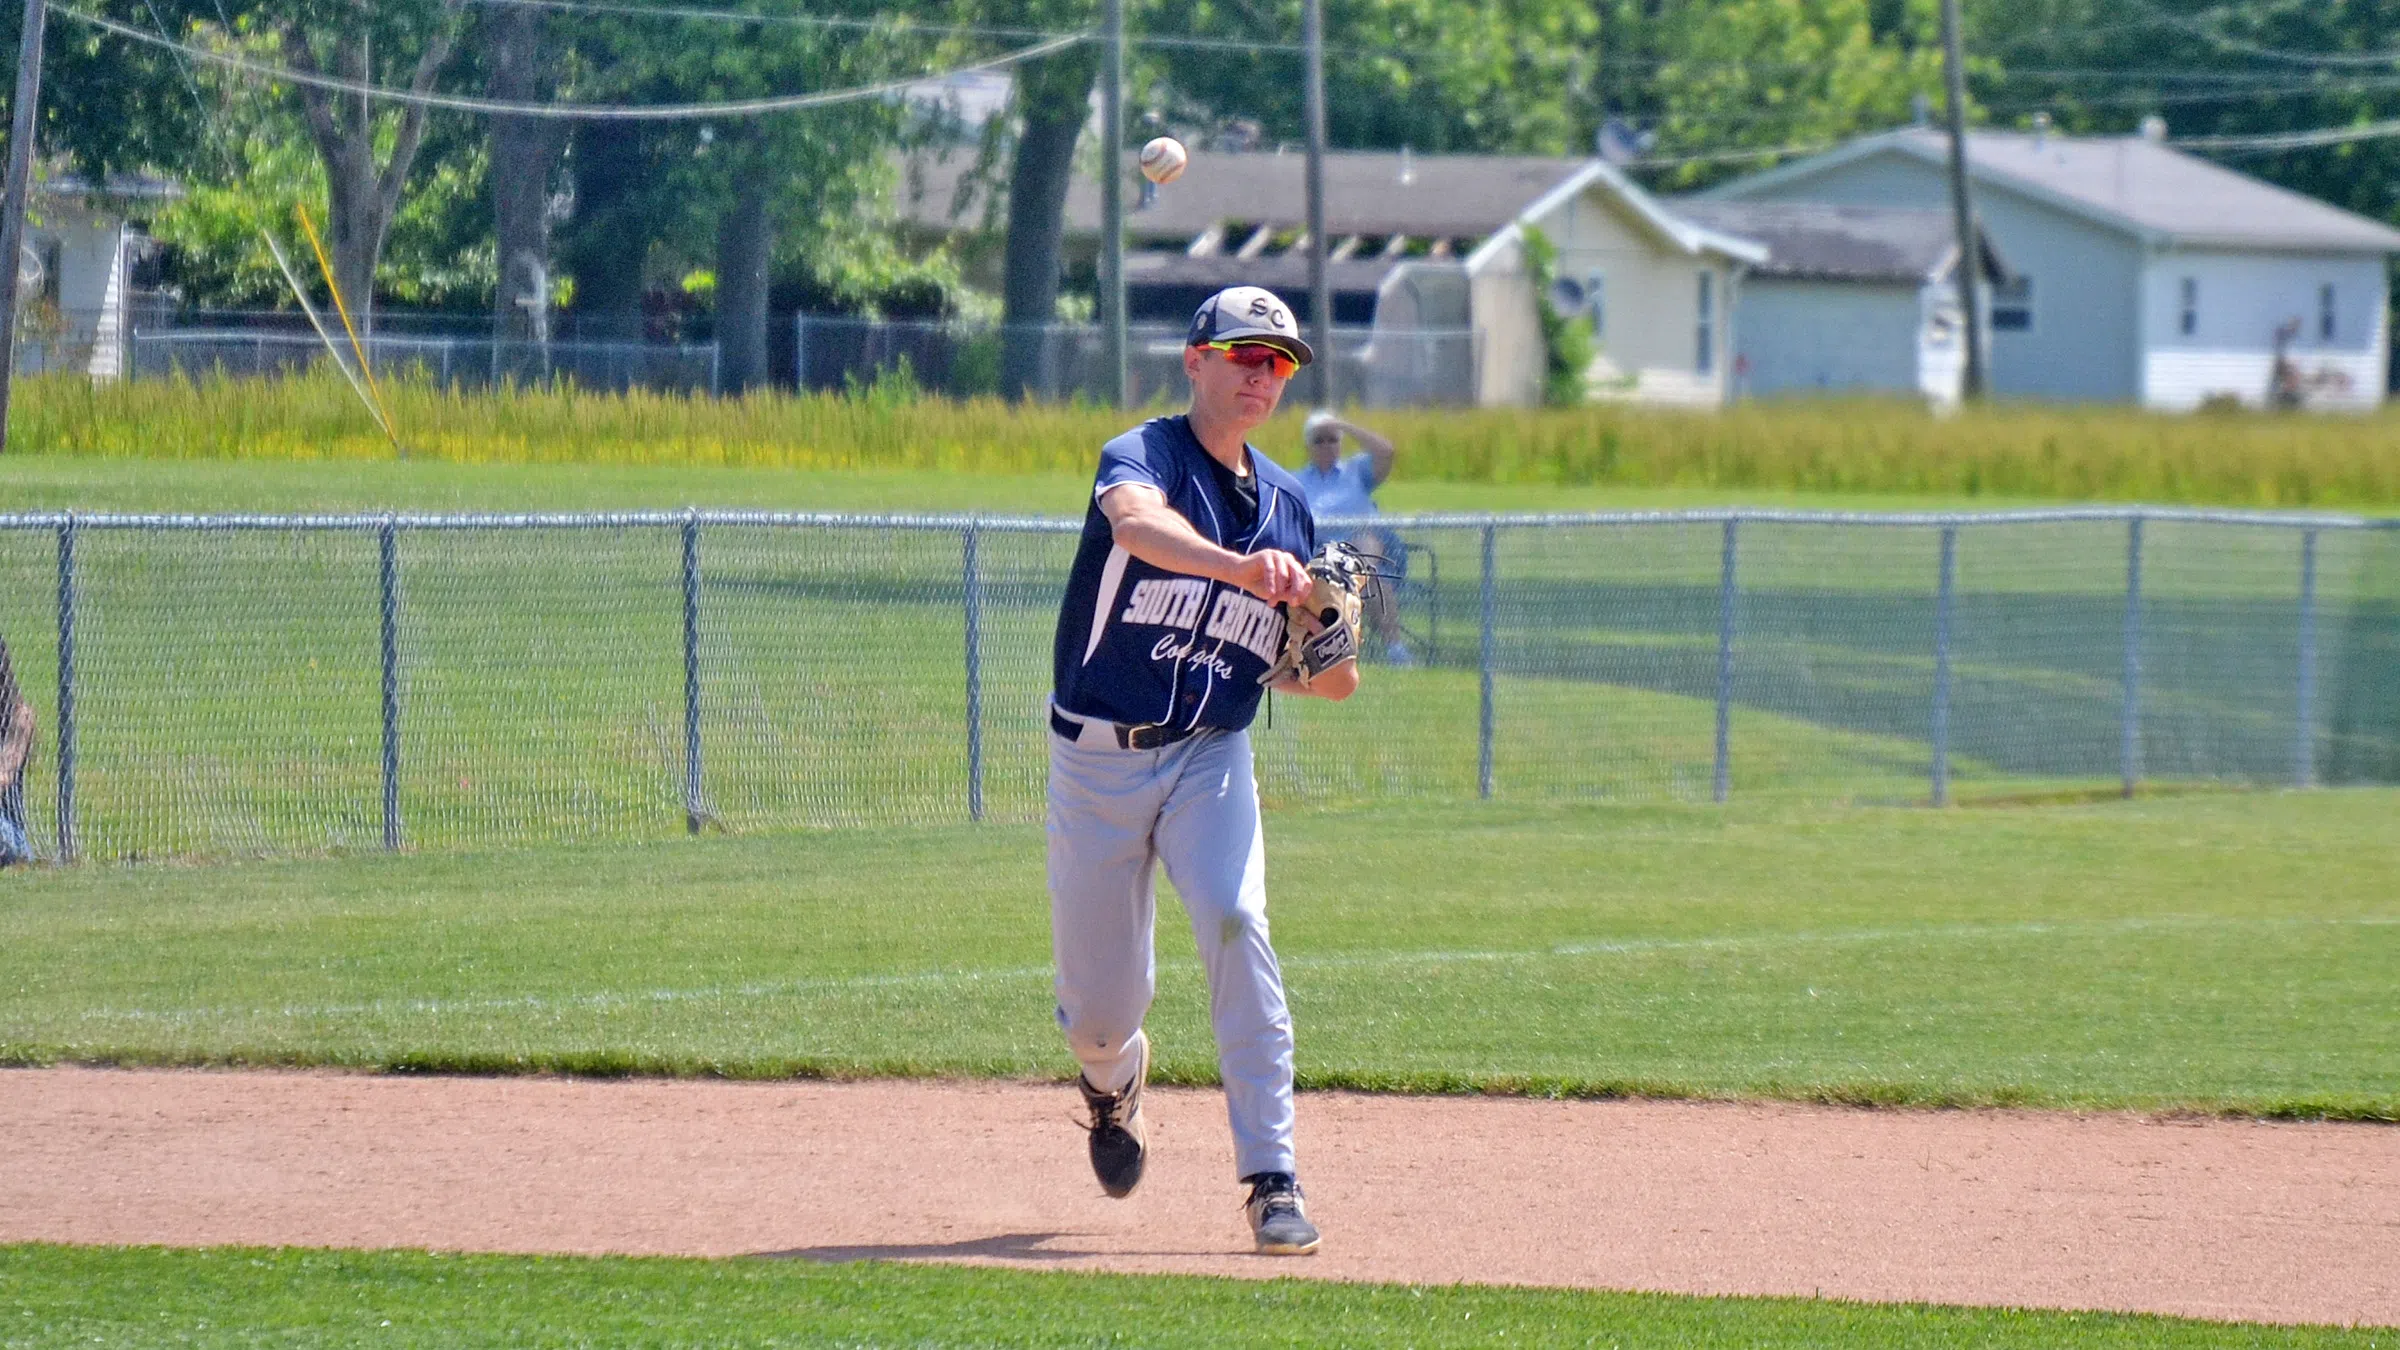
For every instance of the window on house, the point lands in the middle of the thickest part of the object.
(2012, 305)
(1595, 294)
(2325, 321)
(1706, 361)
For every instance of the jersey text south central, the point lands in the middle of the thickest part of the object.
(1237, 618)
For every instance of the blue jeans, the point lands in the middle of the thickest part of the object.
(14, 846)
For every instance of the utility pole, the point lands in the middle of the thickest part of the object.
(1112, 206)
(21, 134)
(1320, 290)
(1970, 257)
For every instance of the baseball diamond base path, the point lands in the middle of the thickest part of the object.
(2269, 1222)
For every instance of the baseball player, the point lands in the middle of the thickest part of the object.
(16, 746)
(1172, 623)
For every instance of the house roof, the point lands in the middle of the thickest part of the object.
(126, 186)
(1809, 240)
(1424, 196)
(1284, 273)
(1677, 230)
(2130, 183)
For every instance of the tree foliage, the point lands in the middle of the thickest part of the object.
(1436, 75)
(646, 205)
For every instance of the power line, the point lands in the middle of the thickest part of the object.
(2295, 140)
(2203, 28)
(779, 20)
(649, 112)
(1182, 41)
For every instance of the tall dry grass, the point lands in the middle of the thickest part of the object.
(1866, 447)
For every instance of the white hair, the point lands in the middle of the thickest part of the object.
(1316, 422)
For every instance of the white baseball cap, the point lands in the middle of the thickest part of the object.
(1248, 314)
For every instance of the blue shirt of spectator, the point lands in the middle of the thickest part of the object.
(1346, 489)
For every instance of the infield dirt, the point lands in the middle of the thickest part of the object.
(2217, 1219)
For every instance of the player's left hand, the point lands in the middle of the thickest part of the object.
(1273, 576)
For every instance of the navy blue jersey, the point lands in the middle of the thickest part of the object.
(1142, 645)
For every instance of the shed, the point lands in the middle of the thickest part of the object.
(81, 245)
(1850, 299)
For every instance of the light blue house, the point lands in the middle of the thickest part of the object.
(2138, 273)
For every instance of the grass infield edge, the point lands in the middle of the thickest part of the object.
(614, 1065)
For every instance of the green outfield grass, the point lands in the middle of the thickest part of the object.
(64, 482)
(2217, 953)
(62, 1296)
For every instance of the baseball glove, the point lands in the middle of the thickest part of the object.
(1322, 632)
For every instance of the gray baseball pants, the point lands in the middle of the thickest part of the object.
(1114, 816)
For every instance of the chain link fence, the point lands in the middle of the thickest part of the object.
(446, 362)
(1373, 367)
(255, 686)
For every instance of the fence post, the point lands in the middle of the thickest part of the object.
(2304, 738)
(1943, 606)
(800, 353)
(68, 849)
(1722, 779)
(388, 555)
(2129, 730)
(1491, 607)
(974, 606)
(692, 808)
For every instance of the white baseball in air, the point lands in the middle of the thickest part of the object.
(1162, 160)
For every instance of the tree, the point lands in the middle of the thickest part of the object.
(1769, 74)
(525, 151)
(749, 185)
(367, 150)
(2210, 69)
(1434, 75)
(262, 165)
(107, 104)
(1053, 98)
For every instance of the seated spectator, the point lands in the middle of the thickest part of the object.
(1346, 487)
(16, 746)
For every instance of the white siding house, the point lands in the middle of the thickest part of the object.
(77, 270)
(1660, 290)
(2105, 236)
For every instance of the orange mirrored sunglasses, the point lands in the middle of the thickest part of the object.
(1276, 359)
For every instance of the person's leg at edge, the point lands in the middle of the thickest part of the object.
(16, 845)
(1215, 853)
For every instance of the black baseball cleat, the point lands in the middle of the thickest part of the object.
(1120, 1143)
(1279, 1215)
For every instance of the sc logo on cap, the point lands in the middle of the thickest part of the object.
(1261, 309)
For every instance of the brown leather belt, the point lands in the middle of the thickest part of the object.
(1152, 736)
